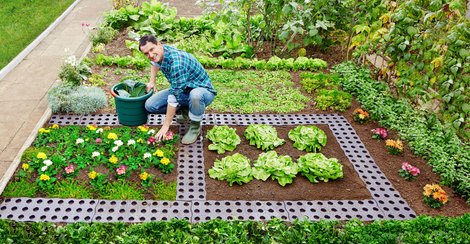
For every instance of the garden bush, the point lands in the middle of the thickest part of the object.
(78, 100)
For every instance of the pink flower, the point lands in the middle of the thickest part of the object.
(405, 166)
(69, 169)
(87, 24)
(169, 135)
(151, 140)
(83, 23)
(98, 140)
(121, 170)
(414, 171)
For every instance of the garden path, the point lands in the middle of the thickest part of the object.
(23, 100)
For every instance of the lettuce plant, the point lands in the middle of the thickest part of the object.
(280, 168)
(315, 166)
(223, 138)
(308, 138)
(263, 136)
(234, 169)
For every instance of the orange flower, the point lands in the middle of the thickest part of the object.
(441, 196)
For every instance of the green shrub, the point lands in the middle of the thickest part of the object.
(102, 34)
(73, 72)
(333, 99)
(78, 100)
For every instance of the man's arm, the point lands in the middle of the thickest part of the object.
(153, 77)
(170, 113)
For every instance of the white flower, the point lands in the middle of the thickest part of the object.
(130, 142)
(98, 131)
(79, 141)
(95, 154)
(115, 148)
(47, 162)
(44, 168)
(147, 155)
(118, 143)
(150, 132)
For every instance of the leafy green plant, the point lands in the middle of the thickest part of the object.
(316, 167)
(235, 168)
(102, 34)
(96, 80)
(308, 138)
(280, 168)
(333, 99)
(131, 88)
(73, 72)
(263, 136)
(223, 139)
(312, 82)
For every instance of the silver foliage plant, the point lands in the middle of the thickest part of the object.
(77, 100)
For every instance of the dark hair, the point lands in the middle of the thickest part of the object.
(147, 38)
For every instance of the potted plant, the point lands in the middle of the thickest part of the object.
(130, 97)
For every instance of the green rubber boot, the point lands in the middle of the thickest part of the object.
(183, 116)
(193, 133)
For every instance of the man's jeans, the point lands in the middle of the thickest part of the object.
(197, 100)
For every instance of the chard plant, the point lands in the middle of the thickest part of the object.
(223, 139)
(263, 136)
(280, 168)
(308, 138)
(316, 167)
(234, 169)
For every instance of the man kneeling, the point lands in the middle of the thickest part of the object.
(190, 91)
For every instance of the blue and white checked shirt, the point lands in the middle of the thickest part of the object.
(183, 72)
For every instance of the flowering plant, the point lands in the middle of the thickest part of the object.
(146, 179)
(408, 171)
(97, 180)
(122, 172)
(434, 196)
(45, 182)
(360, 115)
(70, 172)
(379, 133)
(394, 147)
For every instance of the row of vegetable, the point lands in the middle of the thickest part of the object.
(237, 168)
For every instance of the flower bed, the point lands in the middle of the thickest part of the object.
(97, 162)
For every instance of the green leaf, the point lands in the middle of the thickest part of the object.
(466, 108)
(223, 139)
(412, 30)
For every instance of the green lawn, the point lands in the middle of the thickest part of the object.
(22, 21)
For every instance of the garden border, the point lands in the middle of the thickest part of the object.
(191, 203)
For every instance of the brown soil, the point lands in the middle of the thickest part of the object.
(350, 187)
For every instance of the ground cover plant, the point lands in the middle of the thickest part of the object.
(23, 21)
(94, 162)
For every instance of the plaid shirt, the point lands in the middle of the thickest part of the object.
(183, 72)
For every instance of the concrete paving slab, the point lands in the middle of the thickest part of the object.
(9, 154)
(15, 112)
(7, 132)
(4, 165)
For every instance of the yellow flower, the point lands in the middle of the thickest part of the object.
(44, 177)
(399, 145)
(143, 128)
(55, 126)
(41, 155)
(144, 176)
(25, 166)
(92, 175)
(113, 159)
(158, 153)
(140, 140)
(428, 189)
(91, 127)
(43, 130)
(112, 136)
(362, 116)
(165, 161)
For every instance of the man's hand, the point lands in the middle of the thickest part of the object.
(150, 86)
(161, 133)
